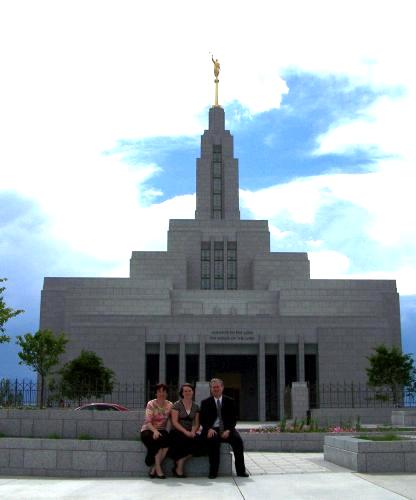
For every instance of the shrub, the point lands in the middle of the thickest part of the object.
(84, 437)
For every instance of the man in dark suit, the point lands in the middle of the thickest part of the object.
(218, 418)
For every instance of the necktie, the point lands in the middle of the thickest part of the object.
(221, 423)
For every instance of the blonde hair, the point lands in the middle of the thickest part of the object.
(216, 381)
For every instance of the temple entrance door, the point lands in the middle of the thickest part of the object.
(239, 373)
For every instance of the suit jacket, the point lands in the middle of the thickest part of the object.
(208, 413)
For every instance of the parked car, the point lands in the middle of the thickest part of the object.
(102, 407)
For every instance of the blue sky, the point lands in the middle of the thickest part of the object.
(103, 105)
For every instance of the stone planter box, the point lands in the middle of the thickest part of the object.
(284, 441)
(362, 455)
(293, 441)
(77, 458)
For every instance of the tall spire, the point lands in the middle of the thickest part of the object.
(217, 169)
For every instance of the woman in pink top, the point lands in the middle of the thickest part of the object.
(154, 434)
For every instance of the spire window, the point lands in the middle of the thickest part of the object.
(217, 183)
(219, 265)
(205, 265)
(232, 265)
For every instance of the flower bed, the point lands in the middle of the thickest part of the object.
(297, 437)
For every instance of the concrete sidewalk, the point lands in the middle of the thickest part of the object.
(273, 475)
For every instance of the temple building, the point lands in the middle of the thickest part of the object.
(219, 303)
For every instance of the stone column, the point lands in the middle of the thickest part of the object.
(202, 365)
(201, 391)
(300, 400)
(202, 386)
(301, 358)
(182, 360)
(281, 377)
(162, 359)
(262, 379)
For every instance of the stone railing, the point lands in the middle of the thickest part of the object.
(68, 443)
(404, 416)
(67, 424)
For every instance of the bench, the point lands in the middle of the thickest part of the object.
(90, 458)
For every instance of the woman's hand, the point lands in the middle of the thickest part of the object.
(211, 433)
(156, 434)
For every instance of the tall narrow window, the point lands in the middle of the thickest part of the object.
(219, 265)
(205, 265)
(232, 265)
(216, 182)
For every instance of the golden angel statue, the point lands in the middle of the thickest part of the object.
(216, 67)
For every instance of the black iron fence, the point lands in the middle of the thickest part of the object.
(26, 393)
(16, 393)
(355, 395)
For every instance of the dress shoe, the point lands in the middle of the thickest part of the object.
(180, 476)
(212, 475)
(243, 474)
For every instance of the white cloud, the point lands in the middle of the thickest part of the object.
(276, 233)
(315, 243)
(324, 205)
(328, 264)
(298, 200)
(387, 125)
(79, 76)
(103, 70)
(386, 194)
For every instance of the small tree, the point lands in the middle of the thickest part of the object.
(41, 352)
(86, 376)
(391, 368)
(6, 313)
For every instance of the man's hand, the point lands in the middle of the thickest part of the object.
(225, 435)
(211, 433)
(156, 434)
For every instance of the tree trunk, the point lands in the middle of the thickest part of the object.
(42, 384)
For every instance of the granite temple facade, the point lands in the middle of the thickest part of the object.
(218, 302)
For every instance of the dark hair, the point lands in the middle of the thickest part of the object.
(186, 384)
(161, 386)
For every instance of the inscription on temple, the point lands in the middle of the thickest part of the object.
(232, 336)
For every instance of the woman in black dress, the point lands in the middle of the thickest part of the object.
(185, 423)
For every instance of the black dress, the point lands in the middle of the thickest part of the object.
(181, 445)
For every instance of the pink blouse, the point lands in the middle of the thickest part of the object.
(156, 415)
